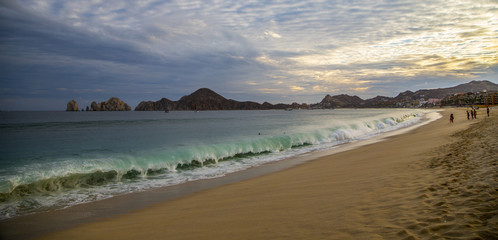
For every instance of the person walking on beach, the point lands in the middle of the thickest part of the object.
(487, 110)
(475, 114)
(451, 118)
(468, 115)
(472, 113)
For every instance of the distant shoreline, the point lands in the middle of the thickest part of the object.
(206, 99)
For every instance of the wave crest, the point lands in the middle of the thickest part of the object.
(102, 168)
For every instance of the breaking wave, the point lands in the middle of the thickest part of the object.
(111, 172)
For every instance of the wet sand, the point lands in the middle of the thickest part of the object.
(437, 181)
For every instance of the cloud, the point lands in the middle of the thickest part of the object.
(288, 48)
(296, 88)
(272, 34)
(474, 33)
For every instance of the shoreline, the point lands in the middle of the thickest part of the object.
(141, 202)
(64, 218)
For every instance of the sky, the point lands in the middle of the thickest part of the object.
(281, 51)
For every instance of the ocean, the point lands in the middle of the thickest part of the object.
(53, 160)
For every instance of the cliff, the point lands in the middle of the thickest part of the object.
(113, 104)
(72, 106)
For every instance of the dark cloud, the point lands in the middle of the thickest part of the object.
(41, 55)
(25, 34)
(256, 50)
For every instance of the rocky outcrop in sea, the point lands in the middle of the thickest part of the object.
(113, 104)
(72, 106)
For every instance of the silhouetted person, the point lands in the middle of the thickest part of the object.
(451, 118)
(468, 115)
(487, 111)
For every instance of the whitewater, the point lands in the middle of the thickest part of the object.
(53, 160)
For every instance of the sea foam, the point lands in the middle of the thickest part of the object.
(84, 177)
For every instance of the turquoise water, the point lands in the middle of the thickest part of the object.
(51, 160)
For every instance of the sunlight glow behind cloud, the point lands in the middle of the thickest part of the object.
(257, 50)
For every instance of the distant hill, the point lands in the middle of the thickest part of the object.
(161, 105)
(346, 101)
(474, 86)
(341, 101)
(207, 99)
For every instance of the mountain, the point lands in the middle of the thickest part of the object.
(206, 99)
(341, 101)
(407, 98)
(473, 87)
(162, 105)
(379, 102)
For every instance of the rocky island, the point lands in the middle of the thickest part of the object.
(113, 104)
(72, 106)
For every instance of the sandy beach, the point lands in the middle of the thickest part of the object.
(437, 181)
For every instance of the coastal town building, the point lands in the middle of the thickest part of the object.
(481, 99)
(491, 98)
